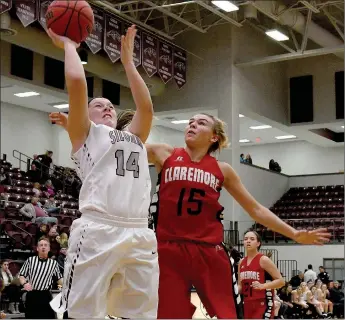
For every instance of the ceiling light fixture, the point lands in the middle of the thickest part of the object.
(286, 137)
(244, 141)
(277, 35)
(260, 127)
(342, 127)
(61, 106)
(26, 94)
(179, 121)
(241, 116)
(227, 6)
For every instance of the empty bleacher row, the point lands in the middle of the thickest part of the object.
(310, 208)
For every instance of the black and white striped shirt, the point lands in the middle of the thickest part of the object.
(40, 273)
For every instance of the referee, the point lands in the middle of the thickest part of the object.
(37, 275)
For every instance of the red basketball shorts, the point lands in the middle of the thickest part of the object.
(208, 268)
(259, 309)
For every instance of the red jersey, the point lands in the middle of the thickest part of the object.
(186, 205)
(249, 274)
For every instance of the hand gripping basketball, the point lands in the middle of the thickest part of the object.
(61, 41)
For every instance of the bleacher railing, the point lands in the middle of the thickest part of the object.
(288, 268)
(26, 160)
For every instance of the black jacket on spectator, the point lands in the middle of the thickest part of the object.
(336, 295)
(295, 281)
(286, 297)
(324, 277)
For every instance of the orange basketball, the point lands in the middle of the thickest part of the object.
(72, 19)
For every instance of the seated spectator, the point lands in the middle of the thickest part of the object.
(62, 239)
(12, 287)
(242, 160)
(337, 298)
(274, 166)
(37, 189)
(297, 280)
(285, 297)
(314, 305)
(50, 188)
(61, 259)
(42, 231)
(249, 159)
(50, 205)
(46, 160)
(34, 212)
(4, 177)
(323, 275)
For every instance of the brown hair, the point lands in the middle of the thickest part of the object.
(219, 131)
(124, 119)
(43, 239)
(258, 237)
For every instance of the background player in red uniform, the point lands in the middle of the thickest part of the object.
(252, 279)
(187, 218)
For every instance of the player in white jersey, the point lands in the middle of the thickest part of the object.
(112, 264)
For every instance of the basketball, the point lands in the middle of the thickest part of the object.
(72, 19)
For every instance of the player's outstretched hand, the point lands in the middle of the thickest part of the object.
(316, 237)
(127, 45)
(59, 118)
(60, 41)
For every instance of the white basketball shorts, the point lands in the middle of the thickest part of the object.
(110, 270)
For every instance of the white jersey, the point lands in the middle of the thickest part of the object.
(114, 169)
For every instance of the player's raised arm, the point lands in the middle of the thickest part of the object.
(142, 119)
(78, 118)
(264, 216)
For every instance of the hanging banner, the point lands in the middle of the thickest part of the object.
(137, 45)
(180, 67)
(5, 5)
(112, 38)
(149, 54)
(43, 7)
(94, 40)
(26, 11)
(165, 57)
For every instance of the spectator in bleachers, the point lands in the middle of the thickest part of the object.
(297, 280)
(249, 159)
(62, 239)
(34, 174)
(42, 231)
(310, 274)
(274, 166)
(50, 205)
(315, 306)
(323, 275)
(12, 288)
(285, 297)
(242, 159)
(37, 190)
(61, 258)
(34, 212)
(49, 188)
(4, 177)
(46, 160)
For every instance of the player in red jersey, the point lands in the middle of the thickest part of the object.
(187, 219)
(254, 271)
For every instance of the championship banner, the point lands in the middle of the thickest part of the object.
(94, 40)
(137, 46)
(43, 7)
(26, 11)
(5, 5)
(149, 54)
(165, 57)
(112, 38)
(180, 67)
